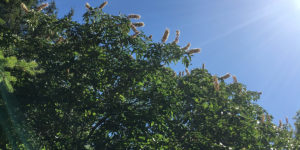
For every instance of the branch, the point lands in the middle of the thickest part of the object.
(96, 126)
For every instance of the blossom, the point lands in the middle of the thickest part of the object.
(192, 51)
(177, 37)
(186, 47)
(103, 5)
(24, 7)
(138, 24)
(134, 28)
(135, 34)
(227, 75)
(88, 6)
(280, 124)
(187, 71)
(216, 83)
(165, 36)
(41, 7)
(134, 16)
(234, 79)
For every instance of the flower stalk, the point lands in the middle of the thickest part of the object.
(103, 5)
(165, 36)
(42, 6)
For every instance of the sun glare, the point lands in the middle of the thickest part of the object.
(297, 4)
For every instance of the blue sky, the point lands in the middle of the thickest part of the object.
(256, 40)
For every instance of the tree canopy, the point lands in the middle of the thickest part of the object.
(104, 84)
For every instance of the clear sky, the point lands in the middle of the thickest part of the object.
(256, 40)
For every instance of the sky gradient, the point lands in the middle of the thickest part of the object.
(256, 40)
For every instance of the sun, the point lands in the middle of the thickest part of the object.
(296, 4)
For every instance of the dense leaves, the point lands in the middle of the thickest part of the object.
(94, 86)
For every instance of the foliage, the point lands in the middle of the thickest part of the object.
(11, 13)
(102, 88)
(11, 63)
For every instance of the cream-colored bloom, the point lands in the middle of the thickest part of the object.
(42, 6)
(134, 16)
(134, 28)
(24, 7)
(234, 79)
(227, 75)
(187, 71)
(165, 36)
(177, 37)
(216, 83)
(280, 124)
(138, 24)
(103, 5)
(186, 47)
(135, 34)
(87, 5)
(192, 51)
(174, 74)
